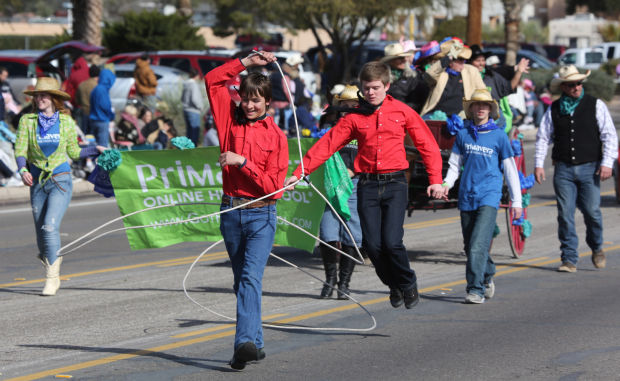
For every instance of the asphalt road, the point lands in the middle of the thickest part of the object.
(122, 315)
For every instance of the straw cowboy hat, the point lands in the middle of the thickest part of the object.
(348, 94)
(481, 95)
(568, 73)
(393, 51)
(446, 46)
(48, 85)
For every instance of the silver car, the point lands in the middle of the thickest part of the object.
(169, 84)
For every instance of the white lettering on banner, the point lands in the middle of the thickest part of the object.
(306, 224)
(184, 220)
(215, 194)
(164, 176)
(174, 198)
(297, 196)
(141, 177)
(148, 172)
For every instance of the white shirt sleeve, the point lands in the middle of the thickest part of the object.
(608, 134)
(543, 137)
(512, 179)
(455, 163)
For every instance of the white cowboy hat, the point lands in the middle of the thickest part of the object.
(393, 51)
(295, 60)
(568, 73)
(481, 95)
(337, 89)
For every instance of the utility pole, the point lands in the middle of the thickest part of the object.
(474, 22)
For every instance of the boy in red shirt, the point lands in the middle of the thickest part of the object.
(254, 163)
(380, 126)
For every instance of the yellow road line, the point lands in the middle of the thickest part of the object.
(231, 332)
(424, 224)
(112, 269)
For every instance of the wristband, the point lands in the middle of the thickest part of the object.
(22, 170)
(243, 165)
(445, 185)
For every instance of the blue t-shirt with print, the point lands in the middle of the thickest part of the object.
(482, 177)
(49, 144)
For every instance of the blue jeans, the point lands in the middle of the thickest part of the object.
(101, 130)
(248, 235)
(331, 229)
(192, 126)
(578, 185)
(49, 202)
(478, 226)
(381, 205)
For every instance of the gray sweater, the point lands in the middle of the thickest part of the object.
(192, 97)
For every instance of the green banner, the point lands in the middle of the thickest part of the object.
(147, 179)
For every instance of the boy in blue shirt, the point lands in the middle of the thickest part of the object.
(483, 151)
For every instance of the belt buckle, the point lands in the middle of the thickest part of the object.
(382, 176)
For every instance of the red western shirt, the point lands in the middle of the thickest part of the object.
(262, 143)
(380, 137)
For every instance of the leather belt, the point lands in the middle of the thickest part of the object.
(381, 176)
(236, 201)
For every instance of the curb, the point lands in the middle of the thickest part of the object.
(13, 195)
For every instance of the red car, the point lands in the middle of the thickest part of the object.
(202, 61)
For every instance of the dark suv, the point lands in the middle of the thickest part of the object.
(202, 61)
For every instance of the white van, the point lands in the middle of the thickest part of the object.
(611, 50)
(586, 58)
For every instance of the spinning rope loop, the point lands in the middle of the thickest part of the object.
(360, 260)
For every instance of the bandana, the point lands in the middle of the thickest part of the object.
(396, 73)
(488, 126)
(452, 72)
(47, 122)
(568, 104)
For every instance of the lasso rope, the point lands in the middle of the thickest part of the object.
(360, 260)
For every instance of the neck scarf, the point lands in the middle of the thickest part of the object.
(488, 126)
(483, 72)
(568, 104)
(396, 73)
(452, 72)
(47, 122)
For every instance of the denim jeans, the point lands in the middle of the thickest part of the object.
(192, 126)
(49, 202)
(248, 235)
(381, 205)
(478, 226)
(331, 229)
(578, 185)
(101, 130)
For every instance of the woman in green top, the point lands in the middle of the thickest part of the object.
(44, 140)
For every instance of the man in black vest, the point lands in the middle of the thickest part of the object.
(585, 145)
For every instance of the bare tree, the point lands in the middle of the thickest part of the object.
(87, 20)
(512, 18)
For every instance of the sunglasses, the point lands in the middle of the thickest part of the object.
(573, 84)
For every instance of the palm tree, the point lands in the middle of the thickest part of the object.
(87, 15)
(512, 17)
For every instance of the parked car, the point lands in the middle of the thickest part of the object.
(586, 58)
(169, 82)
(22, 68)
(533, 47)
(536, 60)
(611, 50)
(554, 51)
(201, 60)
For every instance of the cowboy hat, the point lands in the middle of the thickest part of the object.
(348, 94)
(48, 85)
(568, 73)
(408, 45)
(477, 51)
(481, 95)
(393, 51)
(337, 89)
(464, 52)
(295, 59)
(427, 51)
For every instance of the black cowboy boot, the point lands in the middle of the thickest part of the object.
(346, 271)
(330, 262)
